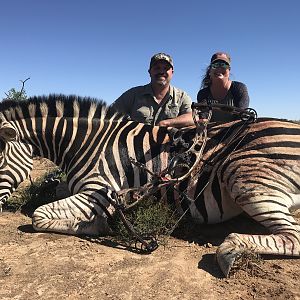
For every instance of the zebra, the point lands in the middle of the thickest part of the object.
(255, 170)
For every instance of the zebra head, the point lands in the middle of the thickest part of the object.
(15, 160)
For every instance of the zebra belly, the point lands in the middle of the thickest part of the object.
(214, 208)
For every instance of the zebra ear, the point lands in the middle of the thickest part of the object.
(7, 132)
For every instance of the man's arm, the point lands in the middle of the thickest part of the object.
(124, 103)
(183, 120)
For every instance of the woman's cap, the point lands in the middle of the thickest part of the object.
(221, 56)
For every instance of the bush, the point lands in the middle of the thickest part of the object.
(40, 192)
(149, 218)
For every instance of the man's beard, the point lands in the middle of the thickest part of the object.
(161, 81)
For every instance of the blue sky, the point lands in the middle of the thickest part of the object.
(102, 48)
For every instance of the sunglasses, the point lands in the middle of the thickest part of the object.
(220, 65)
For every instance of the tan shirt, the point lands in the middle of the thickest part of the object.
(140, 105)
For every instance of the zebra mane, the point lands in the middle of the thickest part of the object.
(58, 105)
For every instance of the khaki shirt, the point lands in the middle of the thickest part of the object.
(140, 105)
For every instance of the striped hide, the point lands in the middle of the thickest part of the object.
(253, 169)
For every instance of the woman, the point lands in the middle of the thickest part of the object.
(217, 87)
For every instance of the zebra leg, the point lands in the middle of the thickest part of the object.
(75, 215)
(284, 240)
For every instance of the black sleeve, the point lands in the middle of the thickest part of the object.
(202, 95)
(240, 95)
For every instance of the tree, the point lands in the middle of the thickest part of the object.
(13, 94)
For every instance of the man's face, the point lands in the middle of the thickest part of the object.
(161, 73)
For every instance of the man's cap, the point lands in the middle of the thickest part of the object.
(221, 56)
(161, 56)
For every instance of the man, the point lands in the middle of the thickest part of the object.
(157, 103)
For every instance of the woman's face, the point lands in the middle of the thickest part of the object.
(219, 70)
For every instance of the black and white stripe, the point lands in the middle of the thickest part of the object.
(91, 145)
(257, 172)
(253, 168)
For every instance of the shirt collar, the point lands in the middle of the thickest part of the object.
(148, 90)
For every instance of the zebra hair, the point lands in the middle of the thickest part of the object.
(252, 168)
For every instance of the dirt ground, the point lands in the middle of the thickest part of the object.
(53, 266)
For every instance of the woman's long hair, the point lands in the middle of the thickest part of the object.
(206, 79)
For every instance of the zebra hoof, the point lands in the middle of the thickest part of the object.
(227, 254)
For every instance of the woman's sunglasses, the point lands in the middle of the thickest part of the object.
(220, 65)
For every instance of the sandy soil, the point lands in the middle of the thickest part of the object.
(52, 266)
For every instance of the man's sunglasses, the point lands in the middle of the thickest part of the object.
(220, 65)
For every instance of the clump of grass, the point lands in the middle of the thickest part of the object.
(40, 192)
(248, 262)
(149, 218)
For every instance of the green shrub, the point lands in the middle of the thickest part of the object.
(149, 218)
(40, 192)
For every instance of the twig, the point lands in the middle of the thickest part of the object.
(23, 84)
